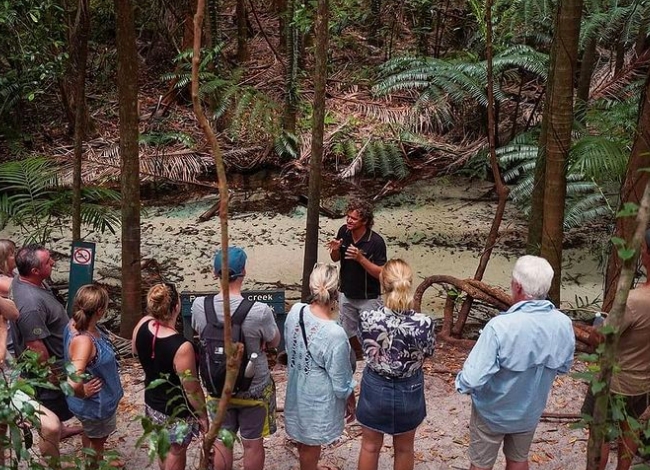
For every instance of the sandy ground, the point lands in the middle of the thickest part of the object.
(438, 226)
(441, 441)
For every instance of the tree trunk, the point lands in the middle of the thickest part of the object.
(374, 34)
(558, 141)
(318, 129)
(281, 10)
(242, 32)
(213, 28)
(620, 55)
(425, 21)
(584, 79)
(233, 351)
(642, 35)
(631, 191)
(291, 92)
(83, 31)
(501, 188)
(127, 86)
(608, 360)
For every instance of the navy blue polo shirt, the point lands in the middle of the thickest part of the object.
(356, 282)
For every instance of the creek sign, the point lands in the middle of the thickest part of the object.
(273, 298)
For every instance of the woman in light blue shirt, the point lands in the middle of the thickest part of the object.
(320, 388)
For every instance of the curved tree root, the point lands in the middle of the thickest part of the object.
(483, 292)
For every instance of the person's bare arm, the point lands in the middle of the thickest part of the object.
(334, 246)
(39, 348)
(81, 352)
(8, 309)
(3, 341)
(356, 254)
(185, 365)
(275, 341)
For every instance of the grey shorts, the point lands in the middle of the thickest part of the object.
(181, 431)
(253, 418)
(484, 444)
(350, 310)
(100, 428)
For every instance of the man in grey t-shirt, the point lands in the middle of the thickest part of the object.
(260, 331)
(39, 328)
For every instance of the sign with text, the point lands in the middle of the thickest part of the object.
(82, 264)
(272, 298)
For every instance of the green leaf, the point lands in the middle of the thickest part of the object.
(588, 357)
(66, 388)
(626, 253)
(226, 437)
(629, 210)
(597, 387)
(31, 96)
(156, 383)
(163, 444)
(588, 376)
(618, 241)
(606, 329)
(16, 440)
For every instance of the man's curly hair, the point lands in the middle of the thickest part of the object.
(364, 208)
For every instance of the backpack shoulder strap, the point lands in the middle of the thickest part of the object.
(242, 311)
(210, 312)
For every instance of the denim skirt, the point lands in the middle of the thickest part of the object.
(391, 405)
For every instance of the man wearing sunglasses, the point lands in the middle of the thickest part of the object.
(362, 253)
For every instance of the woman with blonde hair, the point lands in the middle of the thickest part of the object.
(320, 389)
(178, 402)
(396, 341)
(96, 397)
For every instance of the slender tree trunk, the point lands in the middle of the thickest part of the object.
(501, 188)
(242, 32)
(233, 351)
(374, 36)
(291, 92)
(515, 114)
(631, 191)
(215, 32)
(83, 30)
(584, 79)
(558, 143)
(608, 360)
(620, 55)
(281, 10)
(424, 20)
(641, 37)
(127, 86)
(318, 130)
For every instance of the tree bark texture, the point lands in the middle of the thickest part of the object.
(587, 66)
(619, 61)
(598, 428)
(501, 188)
(641, 37)
(317, 133)
(374, 34)
(127, 86)
(242, 32)
(558, 142)
(233, 351)
(291, 91)
(631, 191)
(83, 31)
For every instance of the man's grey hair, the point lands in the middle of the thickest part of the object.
(27, 259)
(534, 274)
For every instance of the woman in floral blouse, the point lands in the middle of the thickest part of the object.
(396, 341)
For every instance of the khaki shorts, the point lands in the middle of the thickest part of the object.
(484, 444)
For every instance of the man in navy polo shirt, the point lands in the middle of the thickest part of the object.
(362, 253)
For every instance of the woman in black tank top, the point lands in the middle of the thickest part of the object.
(166, 354)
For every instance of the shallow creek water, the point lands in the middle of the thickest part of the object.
(438, 226)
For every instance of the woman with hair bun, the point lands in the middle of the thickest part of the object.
(97, 387)
(178, 403)
(320, 389)
(396, 341)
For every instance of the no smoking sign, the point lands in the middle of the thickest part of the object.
(82, 256)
